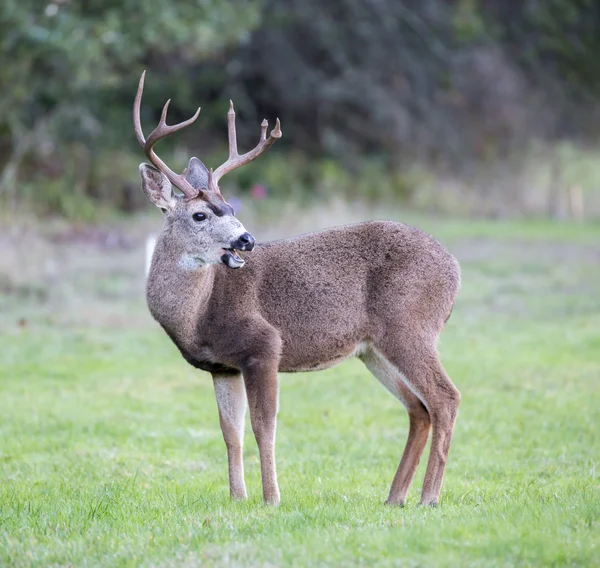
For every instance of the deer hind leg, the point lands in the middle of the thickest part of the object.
(262, 389)
(231, 400)
(419, 423)
(424, 375)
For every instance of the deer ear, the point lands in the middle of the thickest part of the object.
(197, 174)
(157, 187)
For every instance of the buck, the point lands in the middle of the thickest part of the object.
(380, 291)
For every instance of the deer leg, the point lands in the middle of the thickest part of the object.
(425, 377)
(262, 390)
(231, 400)
(419, 424)
(418, 432)
(442, 410)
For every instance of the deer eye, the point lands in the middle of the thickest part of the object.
(198, 217)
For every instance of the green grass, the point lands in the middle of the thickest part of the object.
(111, 452)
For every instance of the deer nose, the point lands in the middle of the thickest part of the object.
(244, 242)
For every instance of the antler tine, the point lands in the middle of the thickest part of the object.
(231, 131)
(263, 129)
(235, 160)
(137, 103)
(162, 130)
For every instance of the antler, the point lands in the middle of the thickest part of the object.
(235, 160)
(159, 132)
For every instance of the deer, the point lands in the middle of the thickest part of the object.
(380, 291)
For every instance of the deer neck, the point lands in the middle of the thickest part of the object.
(178, 291)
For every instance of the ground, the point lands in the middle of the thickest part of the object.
(111, 452)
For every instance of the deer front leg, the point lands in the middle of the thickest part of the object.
(231, 400)
(262, 390)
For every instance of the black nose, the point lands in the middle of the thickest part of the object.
(245, 242)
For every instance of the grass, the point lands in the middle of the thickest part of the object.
(111, 452)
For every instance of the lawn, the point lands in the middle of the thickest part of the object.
(111, 452)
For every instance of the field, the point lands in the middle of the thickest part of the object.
(111, 452)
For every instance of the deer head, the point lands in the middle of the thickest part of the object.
(201, 225)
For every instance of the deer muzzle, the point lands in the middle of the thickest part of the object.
(244, 242)
(231, 258)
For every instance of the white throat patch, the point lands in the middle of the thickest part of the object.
(190, 262)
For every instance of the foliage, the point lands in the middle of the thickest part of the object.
(441, 84)
(68, 69)
(440, 80)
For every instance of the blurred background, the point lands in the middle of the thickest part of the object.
(475, 120)
(462, 117)
(483, 108)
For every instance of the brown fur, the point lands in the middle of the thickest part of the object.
(378, 290)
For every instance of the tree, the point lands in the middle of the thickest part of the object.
(67, 69)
